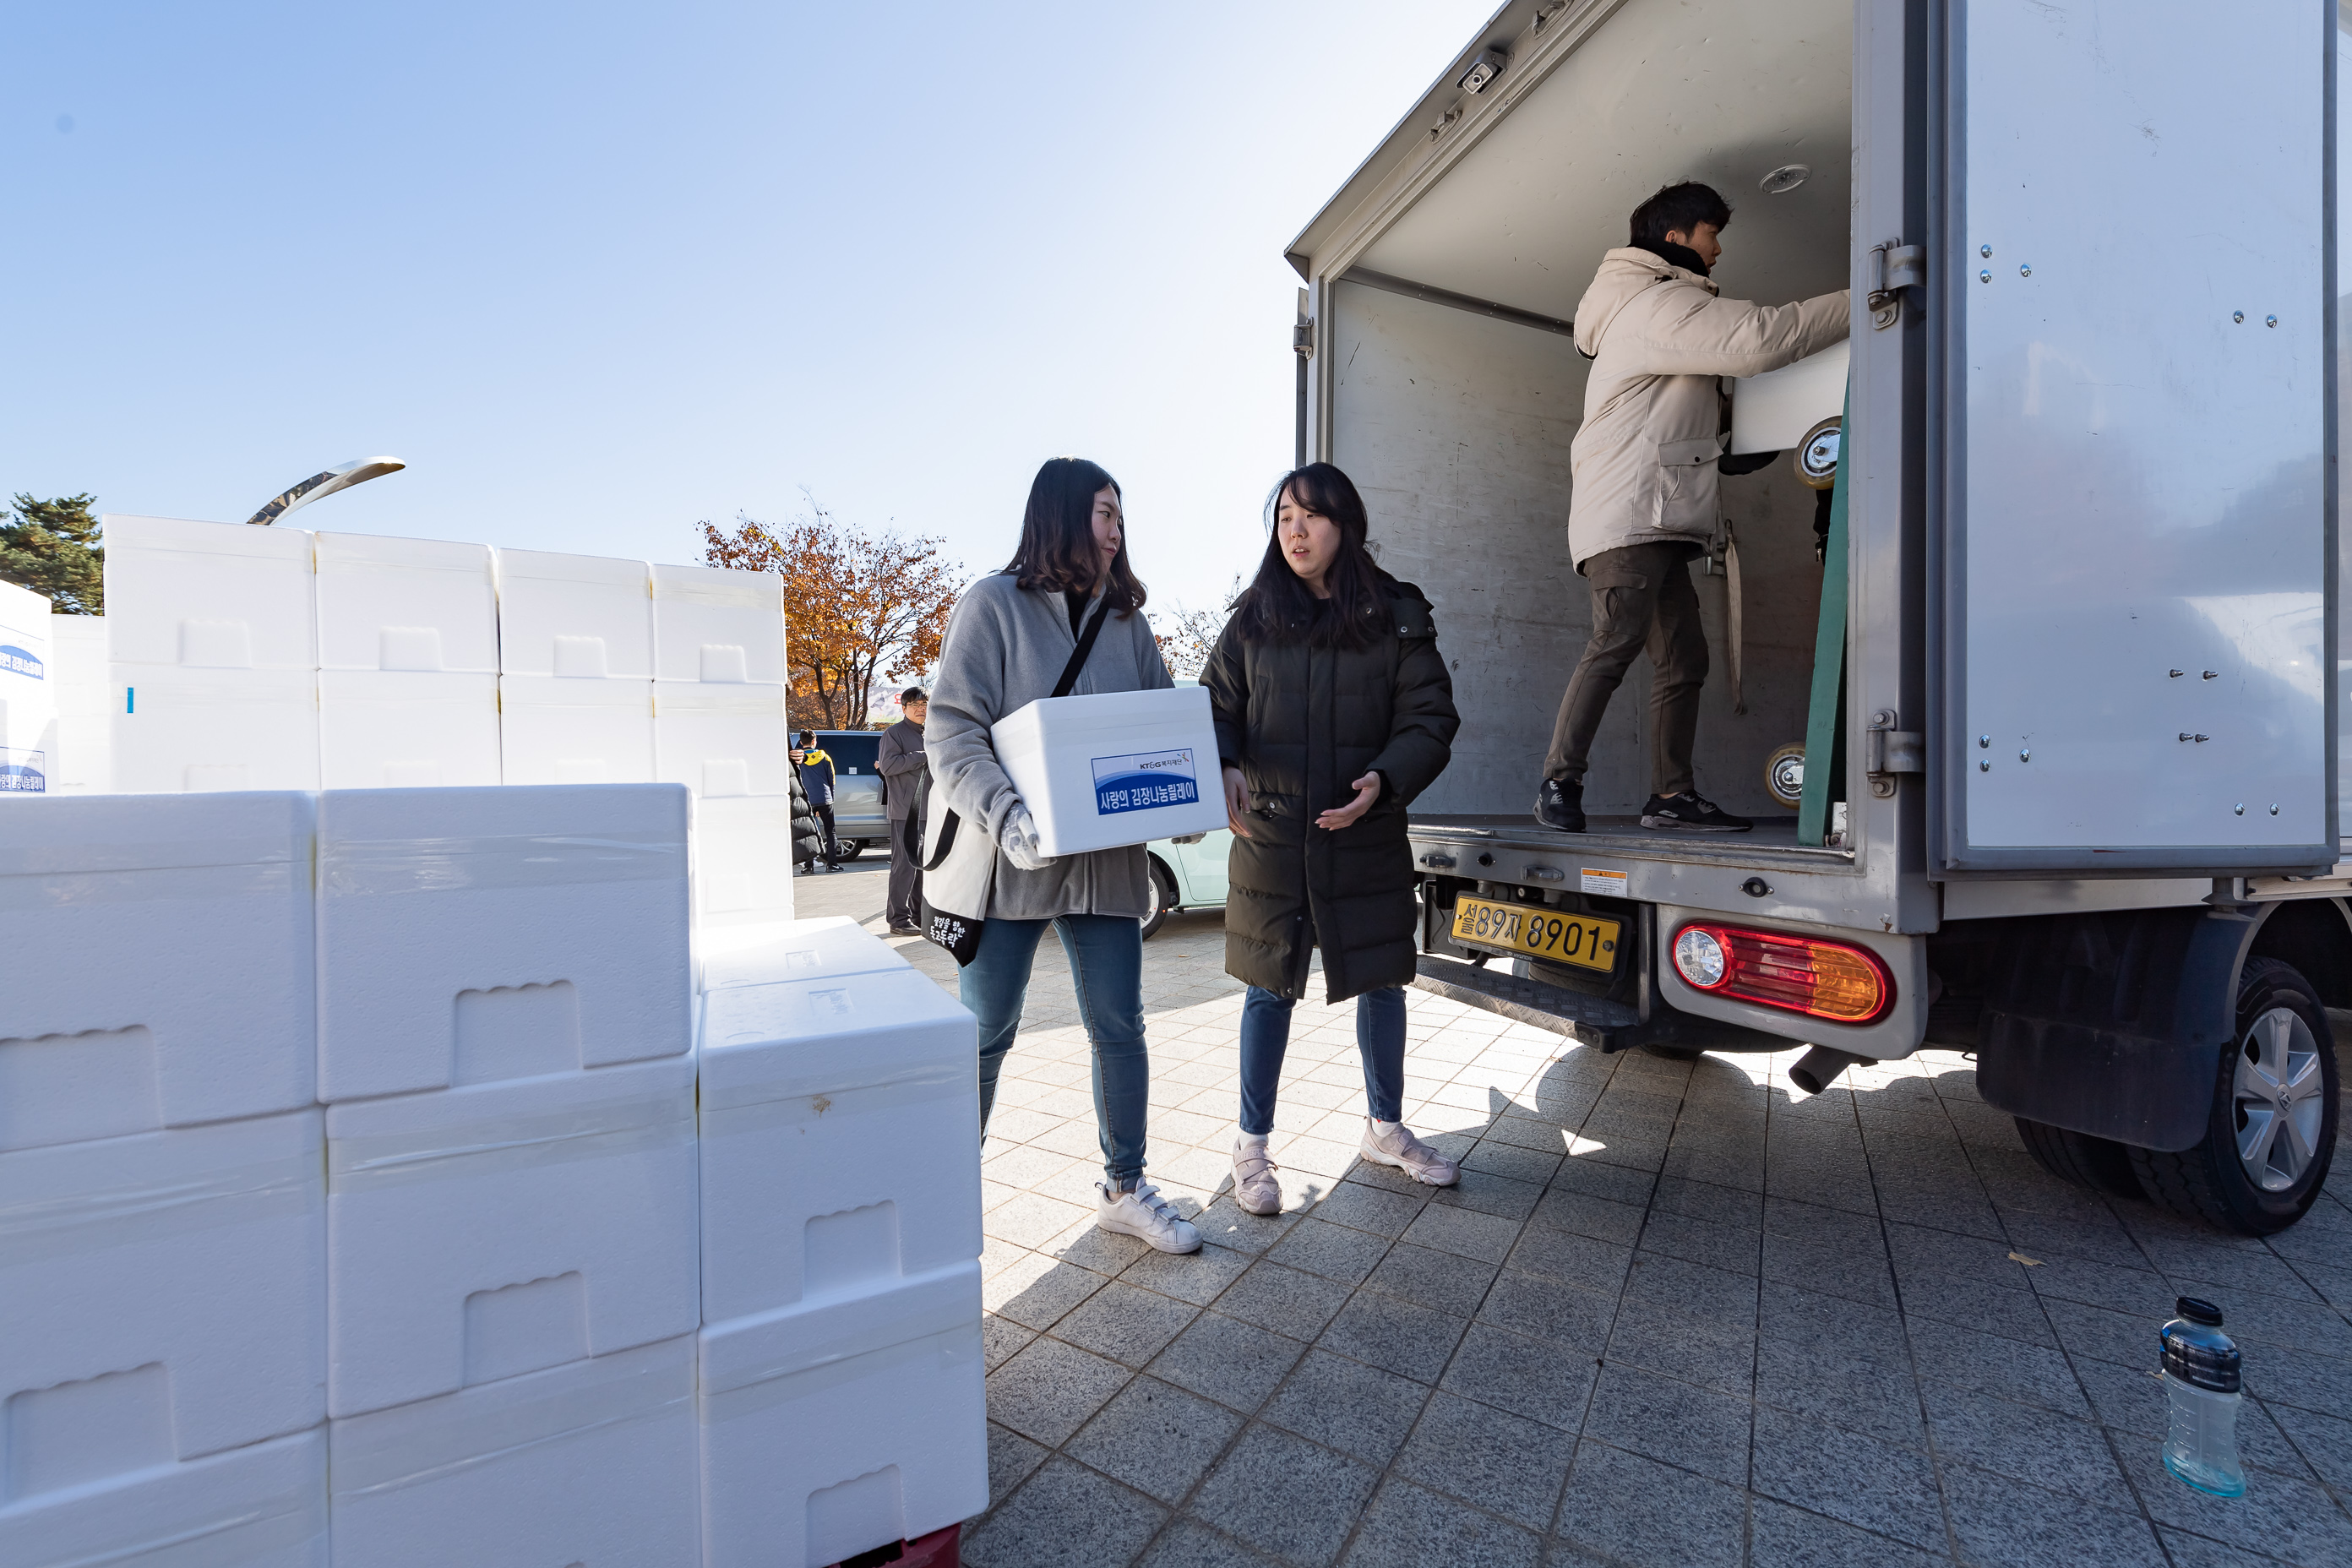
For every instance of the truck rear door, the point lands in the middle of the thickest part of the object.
(2133, 531)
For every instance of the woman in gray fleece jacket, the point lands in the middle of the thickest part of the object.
(1006, 646)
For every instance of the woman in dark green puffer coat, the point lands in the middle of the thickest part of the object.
(1333, 711)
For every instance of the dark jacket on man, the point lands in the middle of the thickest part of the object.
(816, 776)
(902, 765)
(1301, 723)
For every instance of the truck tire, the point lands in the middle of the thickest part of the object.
(851, 848)
(2272, 1127)
(2101, 1165)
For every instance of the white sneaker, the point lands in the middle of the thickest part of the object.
(1408, 1154)
(1254, 1188)
(1144, 1213)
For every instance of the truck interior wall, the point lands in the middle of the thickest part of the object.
(1456, 429)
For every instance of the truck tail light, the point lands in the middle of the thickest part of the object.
(1833, 980)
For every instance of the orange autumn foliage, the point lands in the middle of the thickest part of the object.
(860, 610)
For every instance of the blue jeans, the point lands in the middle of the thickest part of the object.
(1105, 955)
(1266, 1034)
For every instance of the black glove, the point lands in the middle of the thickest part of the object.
(1745, 463)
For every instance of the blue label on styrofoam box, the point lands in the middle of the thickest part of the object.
(23, 772)
(15, 660)
(1144, 780)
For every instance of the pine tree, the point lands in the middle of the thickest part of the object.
(52, 547)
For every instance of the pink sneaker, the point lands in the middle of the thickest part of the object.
(1398, 1147)
(1254, 1188)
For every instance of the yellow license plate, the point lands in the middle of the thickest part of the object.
(1554, 935)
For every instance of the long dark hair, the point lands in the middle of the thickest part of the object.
(1277, 608)
(1057, 537)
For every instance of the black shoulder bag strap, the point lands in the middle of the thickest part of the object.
(1061, 688)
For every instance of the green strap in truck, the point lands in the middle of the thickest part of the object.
(1825, 715)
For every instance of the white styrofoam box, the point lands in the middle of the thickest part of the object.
(816, 949)
(162, 966)
(25, 770)
(1771, 412)
(711, 624)
(26, 748)
(467, 936)
(556, 729)
(575, 615)
(406, 604)
(174, 729)
(840, 1137)
(837, 1427)
(722, 739)
(77, 664)
(262, 1506)
(380, 729)
(81, 763)
(590, 1463)
(29, 707)
(165, 1299)
(1123, 767)
(742, 860)
(221, 595)
(27, 664)
(480, 1233)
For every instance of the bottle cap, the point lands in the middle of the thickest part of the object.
(2197, 1353)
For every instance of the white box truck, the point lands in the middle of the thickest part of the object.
(2065, 679)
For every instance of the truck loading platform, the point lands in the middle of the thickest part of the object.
(1773, 842)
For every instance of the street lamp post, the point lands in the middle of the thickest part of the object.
(342, 477)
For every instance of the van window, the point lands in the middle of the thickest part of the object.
(854, 751)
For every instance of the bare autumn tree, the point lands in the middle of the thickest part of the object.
(1188, 637)
(859, 608)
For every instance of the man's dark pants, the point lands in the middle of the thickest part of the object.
(906, 873)
(1641, 598)
(824, 814)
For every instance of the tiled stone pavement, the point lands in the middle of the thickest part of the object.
(1674, 1314)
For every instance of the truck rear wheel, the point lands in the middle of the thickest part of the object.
(2101, 1165)
(2270, 1131)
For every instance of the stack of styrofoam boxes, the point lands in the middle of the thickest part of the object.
(28, 706)
(575, 663)
(408, 663)
(719, 729)
(841, 1401)
(82, 762)
(504, 1031)
(212, 635)
(719, 682)
(162, 1313)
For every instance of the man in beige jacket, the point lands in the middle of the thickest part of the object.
(1642, 496)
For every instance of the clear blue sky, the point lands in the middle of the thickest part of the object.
(596, 271)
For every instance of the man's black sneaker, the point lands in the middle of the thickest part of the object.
(1689, 814)
(1560, 804)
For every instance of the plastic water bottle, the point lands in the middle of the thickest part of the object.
(2201, 1368)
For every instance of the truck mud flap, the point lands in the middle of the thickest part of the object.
(2112, 1024)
